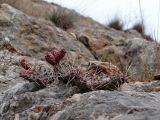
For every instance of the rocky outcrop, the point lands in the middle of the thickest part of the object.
(152, 86)
(21, 100)
(124, 49)
(105, 105)
(32, 36)
(23, 36)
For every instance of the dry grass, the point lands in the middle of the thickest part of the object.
(63, 18)
(141, 29)
(116, 24)
(146, 74)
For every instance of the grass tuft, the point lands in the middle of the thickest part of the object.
(116, 24)
(63, 18)
(141, 29)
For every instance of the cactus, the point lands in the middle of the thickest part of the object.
(55, 55)
(40, 74)
(25, 64)
(98, 76)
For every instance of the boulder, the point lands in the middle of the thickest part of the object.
(105, 105)
(125, 49)
(152, 86)
(31, 36)
(24, 99)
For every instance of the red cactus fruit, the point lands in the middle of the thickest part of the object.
(24, 64)
(25, 74)
(55, 55)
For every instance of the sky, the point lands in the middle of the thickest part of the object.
(128, 11)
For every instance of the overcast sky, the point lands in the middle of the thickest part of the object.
(127, 10)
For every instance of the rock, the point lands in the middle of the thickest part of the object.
(20, 88)
(152, 86)
(23, 101)
(104, 105)
(31, 36)
(7, 82)
(24, 36)
(15, 105)
(143, 58)
(36, 8)
(125, 49)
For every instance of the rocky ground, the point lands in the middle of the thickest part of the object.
(30, 37)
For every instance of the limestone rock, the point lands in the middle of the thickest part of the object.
(22, 100)
(105, 105)
(152, 86)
